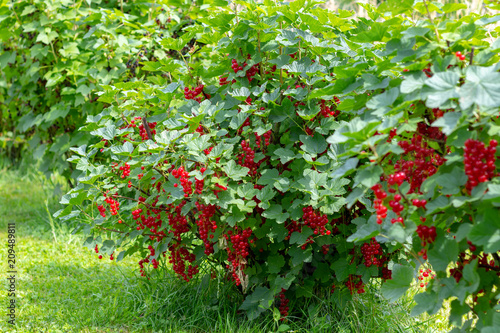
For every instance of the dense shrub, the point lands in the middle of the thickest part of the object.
(298, 149)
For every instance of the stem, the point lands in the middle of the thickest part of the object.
(471, 55)
(17, 17)
(430, 19)
(373, 150)
(260, 64)
(146, 126)
(281, 53)
(137, 200)
(53, 51)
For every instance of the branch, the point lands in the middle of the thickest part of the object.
(142, 202)
(146, 126)
(471, 55)
(432, 22)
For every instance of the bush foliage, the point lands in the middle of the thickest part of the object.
(293, 149)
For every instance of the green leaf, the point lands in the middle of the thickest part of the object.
(234, 171)
(448, 122)
(300, 238)
(486, 231)
(269, 177)
(385, 99)
(284, 155)
(369, 176)
(364, 231)
(412, 82)
(259, 301)
(443, 87)
(313, 145)
(300, 256)
(402, 277)
(107, 133)
(482, 86)
(240, 94)
(274, 263)
(426, 302)
(443, 252)
(275, 212)
(453, 7)
(126, 149)
(336, 88)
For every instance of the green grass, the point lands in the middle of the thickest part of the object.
(63, 287)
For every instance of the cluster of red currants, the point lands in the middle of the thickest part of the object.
(239, 251)
(250, 73)
(428, 236)
(102, 210)
(354, 283)
(183, 175)
(126, 170)
(113, 205)
(424, 275)
(479, 162)
(422, 164)
(315, 221)
(284, 308)
(380, 195)
(459, 55)
(177, 221)
(193, 93)
(178, 257)
(267, 138)
(370, 251)
(206, 225)
(246, 158)
(327, 111)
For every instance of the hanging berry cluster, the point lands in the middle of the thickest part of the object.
(479, 162)
(460, 56)
(378, 204)
(102, 210)
(422, 162)
(114, 205)
(250, 73)
(183, 176)
(428, 236)
(206, 225)
(240, 250)
(326, 111)
(246, 158)
(315, 220)
(354, 283)
(125, 170)
(178, 258)
(194, 93)
(425, 274)
(283, 307)
(370, 251)
(267, 139)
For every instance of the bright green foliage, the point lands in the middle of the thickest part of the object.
(309, 150)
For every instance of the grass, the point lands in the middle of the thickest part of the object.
(63, 287)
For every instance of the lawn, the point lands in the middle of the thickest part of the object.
(63, 287)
